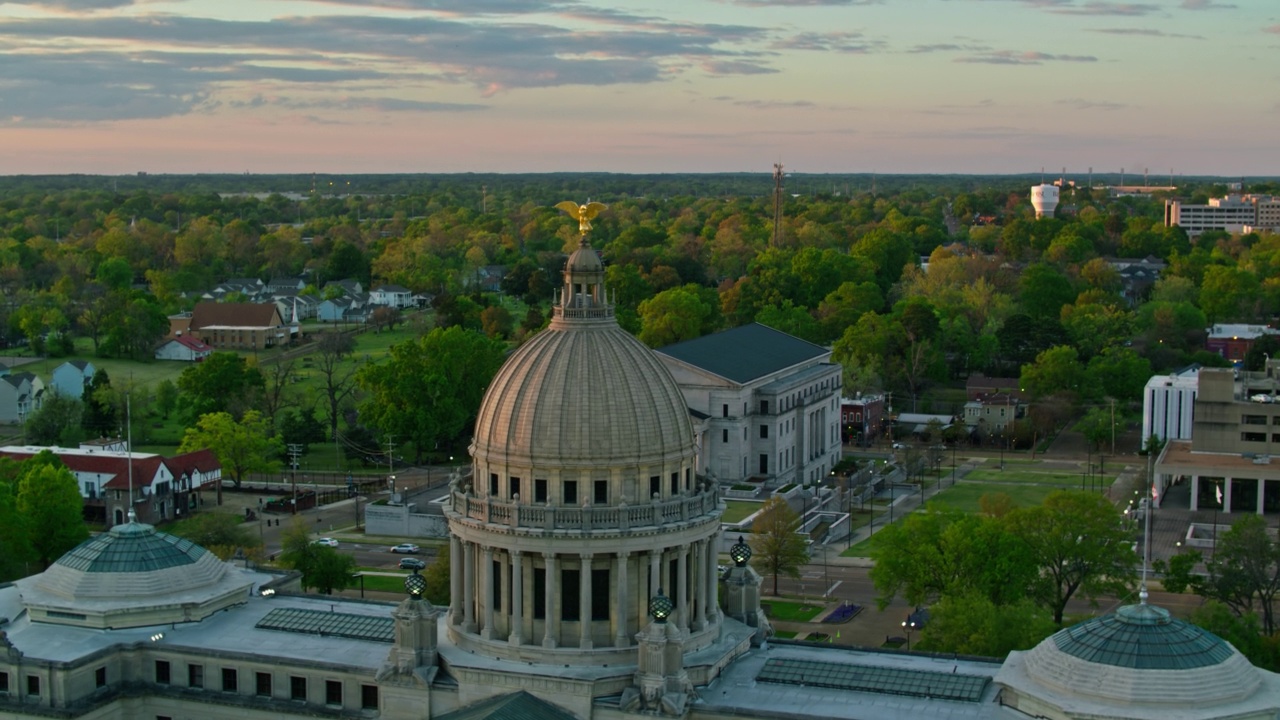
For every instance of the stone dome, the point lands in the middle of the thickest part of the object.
(134, 576)
(584, 260)
(587, 396)
(1138, 657)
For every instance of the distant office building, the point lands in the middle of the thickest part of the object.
(1233, 340)
(1168, 404)
(1233, 213)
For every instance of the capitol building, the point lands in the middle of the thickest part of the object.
(584, 547)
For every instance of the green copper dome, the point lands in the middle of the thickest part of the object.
(1143, 637)
(132, 547)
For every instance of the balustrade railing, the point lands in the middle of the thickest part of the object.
(552, 517)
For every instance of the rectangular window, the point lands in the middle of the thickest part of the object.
(600, 594)
(100, 677)
(1253, 420)
(724, 435)
(764, 462)
(724, 410)
(162, 672)
(513, 485)
(764, 432)
(332, 692)
(4, 682)
(570, 594)
(570, 493)
(495, 586)
(297, 687)
(539, 593)
(601, 492)
(263, 682)
(230, 680)
(540, 491)
(675, 483)
(493, 483)
(369, 697)
(655, 486)
(33, 685)
(1253, 437)
(195, 676)
(764, 407)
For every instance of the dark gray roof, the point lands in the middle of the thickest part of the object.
(516, 706)
(744, 353)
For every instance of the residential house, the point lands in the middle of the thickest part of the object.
(861, 418)
(291, 305)
(333, 310)
(348, 287)
(990, 414)
(184, 348)
(286, 284)
(20, 395)
(766, 404)
(393, 296)
(979, 386)
(72, 377)
(238, 325)
(1137, 277)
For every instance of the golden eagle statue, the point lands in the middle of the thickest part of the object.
(582, 213)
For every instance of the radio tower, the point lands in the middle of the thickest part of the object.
(777, 203)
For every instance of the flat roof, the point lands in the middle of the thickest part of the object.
(1178, 458)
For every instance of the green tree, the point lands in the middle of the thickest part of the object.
(1080, 546)
(222, 534)
(49, 501)
(944, 552)
(223, 382)
(437, 577)
(429, 390)
(56, 422)
(14, 538)
(1044, 290)
(241, 447)
(777, 549)
(1055, 370)
(1244, 571)
(322, 567)
(1119, 372)
(971, 624)
(99, 416)
(337, 374)
(681, 313)
(166, 397)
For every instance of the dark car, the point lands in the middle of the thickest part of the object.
(412, 564)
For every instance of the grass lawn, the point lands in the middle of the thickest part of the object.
(865, 548)
(382, 583)
(738, 510)
(784, 634)
(1001, 477)
(965, 495)
(791, 611)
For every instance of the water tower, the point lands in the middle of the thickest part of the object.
(1045, 199)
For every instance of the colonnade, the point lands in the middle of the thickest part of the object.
(494, 592)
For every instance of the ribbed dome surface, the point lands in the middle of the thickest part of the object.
(584, 260)
(1140, 655)
(129, 561)
(583, 394)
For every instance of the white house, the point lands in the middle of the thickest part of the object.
(185, 348)
(391, 296)
(72, 377)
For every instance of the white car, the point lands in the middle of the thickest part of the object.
(899, 446)
(327, 542)
(409, 548)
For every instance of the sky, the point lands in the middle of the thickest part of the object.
(1186, 87)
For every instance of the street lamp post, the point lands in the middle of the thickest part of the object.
(908, 625)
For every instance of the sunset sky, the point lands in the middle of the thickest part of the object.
(962, 86)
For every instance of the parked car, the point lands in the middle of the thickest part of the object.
(412, 564)
(408, 548)
(899, 446)
(327, 542)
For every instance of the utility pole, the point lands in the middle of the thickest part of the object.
(391, 459)
(1113, 426)
(295, 450)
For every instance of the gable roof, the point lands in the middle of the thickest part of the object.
(516, 706)
(192, 343)
(391, 289)
(203, 461)
(105, 463)
(744, 353)
(235, 315)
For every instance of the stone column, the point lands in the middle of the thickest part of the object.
(584, 602)
(1226, 496)
(551, 623)
(455, 579)
(682, 582)
(1262, 492)
(620, 635)
(469, 587)
(713, 579)
(517, 598)
(1195, 493)
(655, 572)
(486, 591)
(700, 585)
